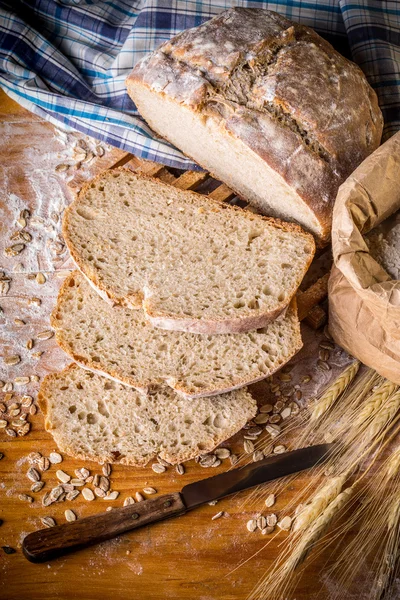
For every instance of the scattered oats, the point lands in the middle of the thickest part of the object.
(233, 459)
(72, 495)
(89, 479)
(266, 408)
(99, 492)
(40, 278)
(208, 460)
(45, 335)
(222, 453)
(88, 494)
(261, 523)
(272, 520)
(26, 401)
(217, 463)
(323, 366)
(158, 468)
(251, 525)
(108, 510)
(26, 236)
(34, 457)
(324, 354)
(77, 482)
(35, 378)
(62, 476)
(3, 423)
(14, 250)
(327, 345)
(21, 380)
(55, 458)
(48, 521)
(280, 449)
(104, 483)
(128, 501)
(112, 496)
(286, 412)
(37, 355)
(82, 473)
(14, 412)
(267, 530)
(56, 492)
(298, 394)
(21, 222)
(285, 523)
(33, 474)
(180, 469)
(248, 446)
(70, 515)
(163, 462)
(275, 418)
(273, 430)
(89, 157)
(258, 455)
(8, 387)
(261, 418)
(274, 387)
(25, 498)
(217, 516)
(270, 500)
(139, 497)
(10, 432)
(306, 379)
(96, 480)
(278, 406)
(213, 502)
(47, 500)
(19, 322)
(3, 407)
(149, 491)
(36, 487)
(106, 469)
(12, 360)
(43, 463)
(285, 377)
(33, 410)
(4, 287)
(61, 168)
(294, 407)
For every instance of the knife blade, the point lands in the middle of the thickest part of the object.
(46, 544)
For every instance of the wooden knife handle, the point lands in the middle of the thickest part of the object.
(46, 544)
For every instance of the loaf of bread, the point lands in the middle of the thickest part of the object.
(119, 343)
(93, 418)
(192, 263)
(265, 105)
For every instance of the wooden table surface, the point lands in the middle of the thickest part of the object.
(191, 557)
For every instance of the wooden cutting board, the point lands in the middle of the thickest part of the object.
(192, 557)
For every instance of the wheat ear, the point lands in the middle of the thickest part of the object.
(393, 464)
(319, 527)
(375, 401)
(330, 396)
(318, 504)
(383, 417)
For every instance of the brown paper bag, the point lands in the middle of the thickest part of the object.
(364, 302)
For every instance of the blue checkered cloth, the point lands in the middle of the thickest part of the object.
(67, 60)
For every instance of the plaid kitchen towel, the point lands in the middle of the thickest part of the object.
(67, 60)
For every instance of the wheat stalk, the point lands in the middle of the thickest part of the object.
(393, 464)
(318, 504)
(330, 396)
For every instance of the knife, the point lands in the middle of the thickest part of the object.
(46, 544)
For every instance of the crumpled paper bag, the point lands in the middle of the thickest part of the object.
(364, 302)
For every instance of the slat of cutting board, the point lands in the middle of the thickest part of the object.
(190, 558)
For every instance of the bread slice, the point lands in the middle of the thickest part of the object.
(193, 263)
(93, 418)
(118, 342)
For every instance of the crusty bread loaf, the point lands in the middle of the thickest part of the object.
(193, 263)
(118, 342)
(93, 418)
(267, 106)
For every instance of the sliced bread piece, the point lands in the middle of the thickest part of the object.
(93, 418)
(195, 264)
(119, 343)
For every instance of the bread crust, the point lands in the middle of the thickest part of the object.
(208, 444)
(147, 386)
(318, 144)
(163, 320)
